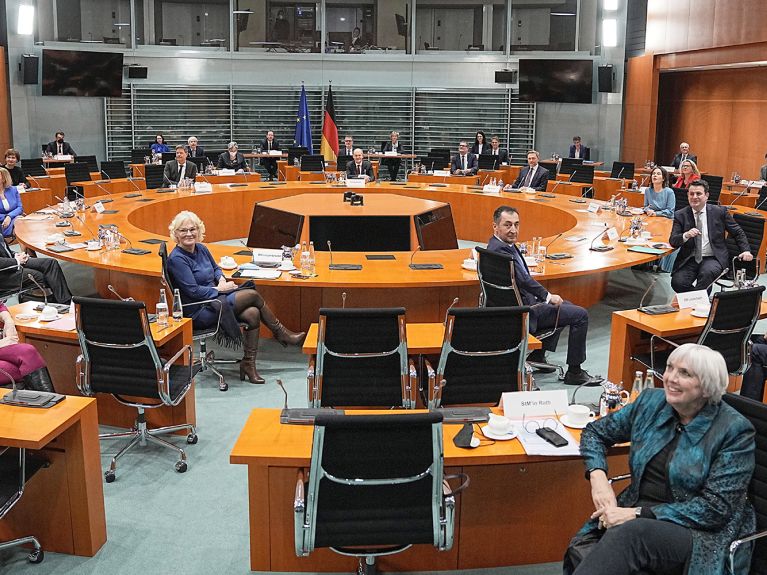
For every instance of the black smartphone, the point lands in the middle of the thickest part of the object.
(551, 436)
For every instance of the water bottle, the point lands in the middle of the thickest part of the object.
(649, 382)
(636, 388)
(312, 260)
(305, 271)
(162, 310)
(178, 310)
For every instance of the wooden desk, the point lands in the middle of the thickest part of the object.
(94, 188)
(630, 333)
(518, 509)
(61, 348)
(452, 180)
(63, 505)
(34, 200)
(56, 183)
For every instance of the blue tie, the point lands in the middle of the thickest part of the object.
(520, 259)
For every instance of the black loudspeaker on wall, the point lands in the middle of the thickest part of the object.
(605, 75)
(137, 71)
(30, 64)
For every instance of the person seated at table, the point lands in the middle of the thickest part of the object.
(480, 145)
(578, 150)
(12, 159)
(659, 199)
(464, 163)
(10, 204)
(545, 306)
(193, 149)
(684, 154)
(59, 147)
(15, 269)
(159, 146)
(348, 149)
(196, 275)
(691, 460)
(689, 173)
(21, 361)
(533, 176)
(178, 169)
(393, 164)
(232, 159)
(698, 232)
(763, 170)
(270, 164)
(753, 379)
(496, 150)
(360, 168)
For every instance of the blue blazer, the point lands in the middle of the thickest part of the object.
(14, 209)
(708, 473)
(196, 276)
(585, 152)
(540, 179)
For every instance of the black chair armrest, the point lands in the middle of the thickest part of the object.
(412, 389)
(311, 385)
(735, 545)
(652, 349)
(163, 386)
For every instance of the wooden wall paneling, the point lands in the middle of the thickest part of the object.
(639, 110)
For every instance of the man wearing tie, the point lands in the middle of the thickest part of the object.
(193, 150)
(533, 176)
(684, 154)
(463, 163)
(497, 151)
(698, 232)
(178, 169)
(15, 269)
(359, 168)
(270, 164)
(59, 147)
(544, 305)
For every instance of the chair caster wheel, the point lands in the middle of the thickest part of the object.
(223, 386)
(36, 556)
(191, 439)
(109, 476)
(181, 466)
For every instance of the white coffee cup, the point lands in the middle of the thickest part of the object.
(93, 245)
(701, 309)
(646, 234)
(48, 313)
(579, 414)
(499, 425)
(228, 262)
(470, 263)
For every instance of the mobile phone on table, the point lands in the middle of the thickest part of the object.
(551, 436)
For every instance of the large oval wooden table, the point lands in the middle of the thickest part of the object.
(425, 294)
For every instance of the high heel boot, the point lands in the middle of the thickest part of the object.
(38, 380)
(281, 333)
(248, 363)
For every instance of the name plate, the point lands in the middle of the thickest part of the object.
(390, 153)
(612, 234)
(534, 403)
(98, 207)
(202, 187)
(692, 299)
(490, 189)
(275, 152)
(594, 207)
(441, 172)
(226, 172)
(355, 183)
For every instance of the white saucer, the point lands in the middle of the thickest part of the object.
(58, 316)
(234, 267)
(505, 437)
(636, 241)
(471, 268)
(26, 316)
(93, 249)
(284, 268)
(696, 313)
(636, 211)
(567, 423)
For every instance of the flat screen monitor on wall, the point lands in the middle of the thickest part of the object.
(569, 81)
(79, 73)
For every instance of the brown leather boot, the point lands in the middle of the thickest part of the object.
(281, 333)
(248, 363)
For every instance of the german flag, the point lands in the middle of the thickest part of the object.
(329, 145)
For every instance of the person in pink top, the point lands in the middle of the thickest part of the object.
(21, 361)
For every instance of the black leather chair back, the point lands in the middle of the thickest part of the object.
(583, 174)
(312, 163)
(137, 155)
(496, 279)
(680, 197)
(113, 169)
(153, 175)
(77, 172)
(93, 165)
(33, 167)
(714, 187)
(753, 227)
(622, 170)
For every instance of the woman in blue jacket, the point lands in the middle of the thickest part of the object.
(10, 203)
(159, 146)
(691, 460)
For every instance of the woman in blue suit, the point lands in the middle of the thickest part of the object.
(10, 203)
(691, 460)
(159, 146)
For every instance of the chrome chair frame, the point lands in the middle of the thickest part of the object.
(37, 555)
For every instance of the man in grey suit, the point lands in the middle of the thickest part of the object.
(684, 154)
(178, 169)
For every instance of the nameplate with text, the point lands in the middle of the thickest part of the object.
(534, 403)
(98, 207)
(693, 299)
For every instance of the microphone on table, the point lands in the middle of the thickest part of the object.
(447, 311)
(716, 279)
(100, 187)
(760, 203)
(620, 173)
(133, 183)
(87, 228)
(647, 292)
(556, 185)
(548, 245)
(63, 213)
(602, 248)
(586, 191)
(644, 178)
(333, 266)
(42, 289)
(739, 195)
(285, 392)
(424, 266)
(114, 291)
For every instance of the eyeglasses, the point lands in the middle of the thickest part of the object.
(534, 425)
(184, 231)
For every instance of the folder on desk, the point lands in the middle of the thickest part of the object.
(646, 250)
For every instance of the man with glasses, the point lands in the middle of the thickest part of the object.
(270, 165)
(684, 154)
(533, 176)
(178, 169)
(463, 163)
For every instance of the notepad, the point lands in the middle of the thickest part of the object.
(646, 250)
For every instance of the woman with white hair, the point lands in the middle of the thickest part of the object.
(691, 460)
(232, 159)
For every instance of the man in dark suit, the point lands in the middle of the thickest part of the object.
(348, 148)
(464, 163)
(684, 154)
(59, 147)
(544, 305)
(194, 150)
(496, 150)
(16, 269)
(270, 164)
(578, 150)
(360, 168)
(698, 232)
(533, 176)
(178, 169)
(393, 164)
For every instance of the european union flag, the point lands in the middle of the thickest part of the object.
(303, 127)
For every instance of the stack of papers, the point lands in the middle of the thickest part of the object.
(536, 445)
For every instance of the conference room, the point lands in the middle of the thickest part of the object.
(334, 307)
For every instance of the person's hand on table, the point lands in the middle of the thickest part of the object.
(649, 212)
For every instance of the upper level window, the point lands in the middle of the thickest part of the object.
(468, 25)
(202, 23)
(367, 26)
(277, 26)
(84, 21)
(549, 27)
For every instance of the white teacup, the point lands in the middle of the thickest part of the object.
(228, 262)
(470, 263)
(579, 414)
(499, 425)
(93, 245)
(701, 309)
(646, 234)
(48, 313)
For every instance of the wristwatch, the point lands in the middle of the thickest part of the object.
(638, 511)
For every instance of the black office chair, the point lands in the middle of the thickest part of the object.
(376, 486)
(714, 187)
(728, 330)
(16, 468)
(499, 289)
(76, 172)
(33, 167)
(312, 163)
(119, 357)
(483, 356)
(761, 200)
(568, 165)
(756, 413)
(137, 155)
(296, 152)
(362, 360)
(342, 161)
(753, 227)
(168, 156)
(90, 161)
(206, 360)
(113, 169)
(44, 148)
(583, 174)
(488, 162)
(551, 167)
(153, 176)
(200, 162)
(622, 170)
(680, 196)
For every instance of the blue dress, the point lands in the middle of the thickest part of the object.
(159, 148)
(195, 275)
(708, 473)
(14, 209)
